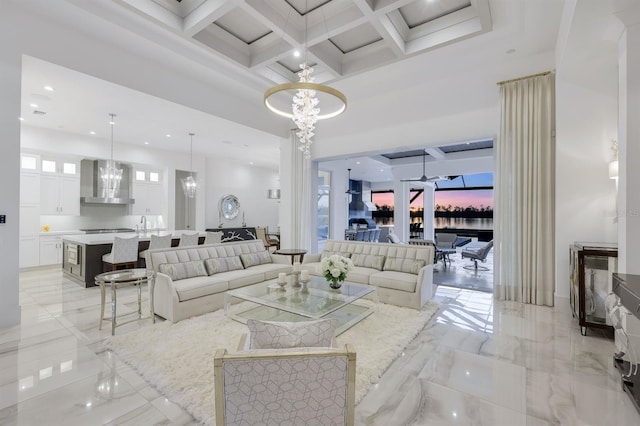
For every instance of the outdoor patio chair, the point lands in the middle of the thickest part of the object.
(479, 254)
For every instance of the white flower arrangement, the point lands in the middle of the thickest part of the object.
(335, 267)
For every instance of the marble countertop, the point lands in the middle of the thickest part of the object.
(96, 239)
(60, 233)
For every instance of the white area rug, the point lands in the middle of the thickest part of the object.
(178, 358)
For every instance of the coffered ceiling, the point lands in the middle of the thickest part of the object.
(339, 37)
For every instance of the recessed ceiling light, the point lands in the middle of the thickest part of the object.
(382, 170)
(357, 162)
(48, 88)
(21, 118)
(296, 53)
(510, 51)
(146, 142)
(33, 105)
(168, 135)
(92, 132)
(227, 142)
(251, 163)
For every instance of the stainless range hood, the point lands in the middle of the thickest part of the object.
(94, 189)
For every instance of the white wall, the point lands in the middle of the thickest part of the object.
(585, 196)
(248, 183)
(10, 70)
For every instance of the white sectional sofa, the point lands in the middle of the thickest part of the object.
(402, 273)
(192, 280)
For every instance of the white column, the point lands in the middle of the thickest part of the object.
(10, 83)
(338, 204)
(629, 147)
(429, 205)
(401, 209)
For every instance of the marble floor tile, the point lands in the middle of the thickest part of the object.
(479, 361)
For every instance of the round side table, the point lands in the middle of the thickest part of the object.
(293, 253)
(124, 278)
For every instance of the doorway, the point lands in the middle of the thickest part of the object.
(185, 210)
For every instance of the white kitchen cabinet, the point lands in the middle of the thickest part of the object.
(29, 220)
(29, 252)
(149, 198)
(50, 250)
(29, 188)
(59, 195)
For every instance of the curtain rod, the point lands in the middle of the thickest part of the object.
(522, 78)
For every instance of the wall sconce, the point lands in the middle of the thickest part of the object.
(613, 164)
(273, 194)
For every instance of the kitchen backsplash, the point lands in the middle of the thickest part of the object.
(102, 220)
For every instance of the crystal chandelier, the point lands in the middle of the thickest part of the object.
(110, 174)
(189, 183)
(305, 110)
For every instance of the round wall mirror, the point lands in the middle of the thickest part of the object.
(229, 206)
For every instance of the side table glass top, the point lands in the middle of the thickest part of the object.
(123, 275)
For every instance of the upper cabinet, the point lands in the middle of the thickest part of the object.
(148, 192)
(59, 186)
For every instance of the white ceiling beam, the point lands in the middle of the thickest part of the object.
(383, 25)
(484, 13)
(155, 12)
(222, 42)
(446, 36)
(436, 153)
(207, 13)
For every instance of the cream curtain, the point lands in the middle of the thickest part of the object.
(300, 197)
(524, 192)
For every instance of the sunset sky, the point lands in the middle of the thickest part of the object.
(462, 198)
(444, 198)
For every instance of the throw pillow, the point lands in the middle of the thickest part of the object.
(278, 335)
(399, 264)
(375, 261)
(331, 253)
(182, 270)
(223, 264)
(252, 259)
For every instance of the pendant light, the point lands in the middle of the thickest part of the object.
(189, 183)
(349, 190)
(110, 174)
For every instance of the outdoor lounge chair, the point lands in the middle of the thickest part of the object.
(479, 254)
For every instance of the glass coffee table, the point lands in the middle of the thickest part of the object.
(268, 302)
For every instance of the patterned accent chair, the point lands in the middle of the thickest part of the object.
(124, 252)
(293, 386)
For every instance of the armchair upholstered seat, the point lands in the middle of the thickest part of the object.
(476, 255)
(295, 386)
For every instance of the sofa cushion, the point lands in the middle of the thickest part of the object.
(398, 264)
(360, 275)
(271, 270)
(394, 280)
(192, 288)
(331, 253)
(278, 335)
(223, 264)
(375, 261)
(253, 259)
(182, 270)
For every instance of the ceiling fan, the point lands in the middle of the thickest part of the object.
(350, 191)
(424, 177)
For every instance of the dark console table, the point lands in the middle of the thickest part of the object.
(235, 234)
(627, 288)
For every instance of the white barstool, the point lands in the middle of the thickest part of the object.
(188, 240)
(213, 238)
(156, 242)
(124, 252)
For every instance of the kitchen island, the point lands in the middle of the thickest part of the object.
(82, 254)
